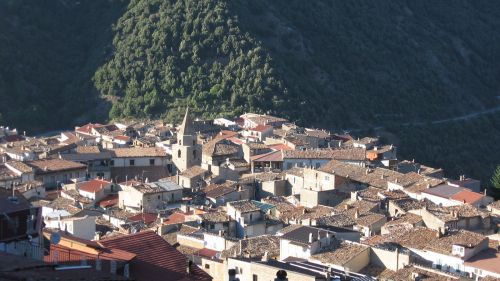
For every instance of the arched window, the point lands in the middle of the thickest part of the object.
(179, 153)
(180, 142)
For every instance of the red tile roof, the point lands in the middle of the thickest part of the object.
(261, 128)
(280, 147)
(488, 260)
(273, 156)
(156, 259)
(72, 248)
(236, 140)
(145, 217)
(208, 253)
(93, 185)
(467, 196)
(122, 138)
(109, 201)
(87, 129)
(175, 218)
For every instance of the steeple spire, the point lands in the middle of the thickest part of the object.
(187, 125)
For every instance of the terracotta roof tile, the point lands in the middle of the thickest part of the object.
(467, 196)
(55, 165)
(488, 260)
(138, 152)
(261, 128)
(156, 259)
(92, 186)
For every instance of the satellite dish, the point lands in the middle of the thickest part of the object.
(55, 238)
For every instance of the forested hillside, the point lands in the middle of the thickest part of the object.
(49, 51)
(331, 64)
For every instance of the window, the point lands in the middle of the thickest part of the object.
(172, 196)
(131, 162)
(158, 196)
(327, 178)
(207, 266)
(212, 226)
(194, 154)
(112, 163)
(254, 277)
(179, 153)
(151, 162)
(194, 142)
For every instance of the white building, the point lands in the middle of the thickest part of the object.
(303, 241)
(81, 227)
(148, 197)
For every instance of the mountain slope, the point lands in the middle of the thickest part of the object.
(316, 61)
(173, 53)
(331, 64)
(49, 50)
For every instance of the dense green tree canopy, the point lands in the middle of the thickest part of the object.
(495, 180)
(170, 54)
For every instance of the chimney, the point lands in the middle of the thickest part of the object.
(310, 237)
(356, 213)
(439, 233)
(346, 207)
(428, 185)
(485, 189)
(265, 257)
